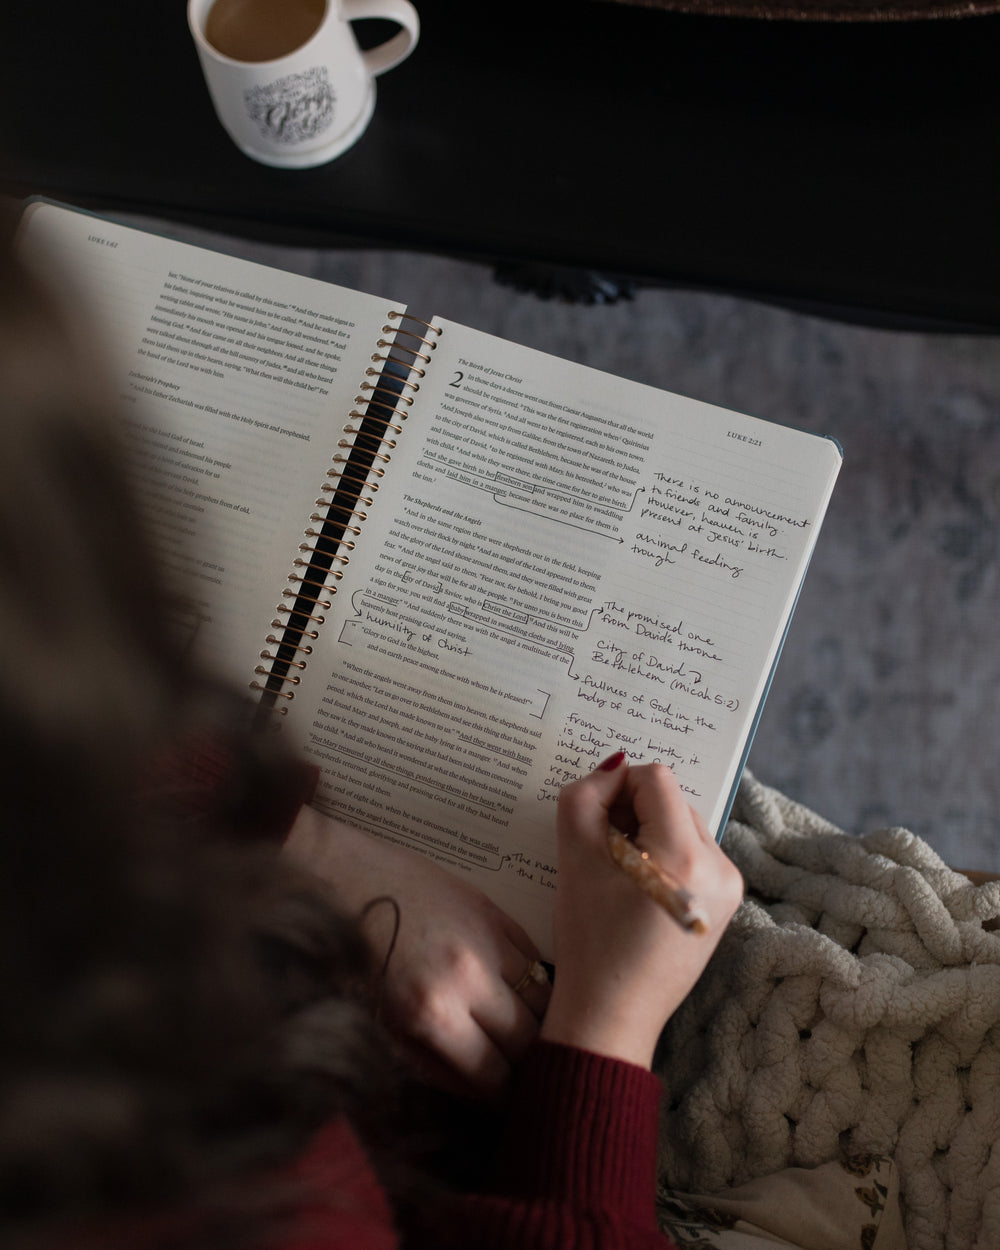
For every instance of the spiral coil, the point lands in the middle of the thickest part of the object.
(370, 438)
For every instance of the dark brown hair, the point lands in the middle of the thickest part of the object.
(179, 1008)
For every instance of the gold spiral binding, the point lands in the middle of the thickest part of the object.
(374, 437)
(277, 642)
(430, 344)
(315, 600)
(371, 438)
(395, 316)
(377, 373)
(311, 533)
(377, 420)
(306, 633)
(403, 399)
(266, 655)
(343, 507)
(283, 607)
(378, 439)
(288, 680)
(299, 563)
(318, 516)
(401, 347)
(342, 559)
(278, 694)
(350, 477)
(339, 459)
(393, 361)
(379, 455)
(308, 581)
(401, 413)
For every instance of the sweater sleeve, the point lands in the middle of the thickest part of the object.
(577, 1168)
(206, 783)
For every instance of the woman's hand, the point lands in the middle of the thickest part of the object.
(623, 965)
(448, 986)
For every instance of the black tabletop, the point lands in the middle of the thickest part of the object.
(853, 169)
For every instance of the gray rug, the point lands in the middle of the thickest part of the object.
(885, 709)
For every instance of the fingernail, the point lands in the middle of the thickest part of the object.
(612, 762)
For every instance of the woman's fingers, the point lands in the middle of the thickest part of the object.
(531, 987)
(455, 958)
(624, 960)
(470, 1036)
(586, 805)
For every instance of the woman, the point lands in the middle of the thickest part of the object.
(190, 1050)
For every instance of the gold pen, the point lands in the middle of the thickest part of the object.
(658, 883)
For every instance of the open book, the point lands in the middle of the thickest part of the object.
(460, 572)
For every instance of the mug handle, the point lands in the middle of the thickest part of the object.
(398, 48)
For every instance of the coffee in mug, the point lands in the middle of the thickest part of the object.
(288, 81)
(262, 30)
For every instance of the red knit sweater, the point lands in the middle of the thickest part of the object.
(576, 1171)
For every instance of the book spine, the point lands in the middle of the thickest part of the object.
(401, 358)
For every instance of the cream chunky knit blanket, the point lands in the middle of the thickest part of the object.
(853, 1007)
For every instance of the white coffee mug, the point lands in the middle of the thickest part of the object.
(313, 103)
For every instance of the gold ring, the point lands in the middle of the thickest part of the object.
(534, 972)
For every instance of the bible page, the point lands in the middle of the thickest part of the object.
(558, 564)
(235, 381)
